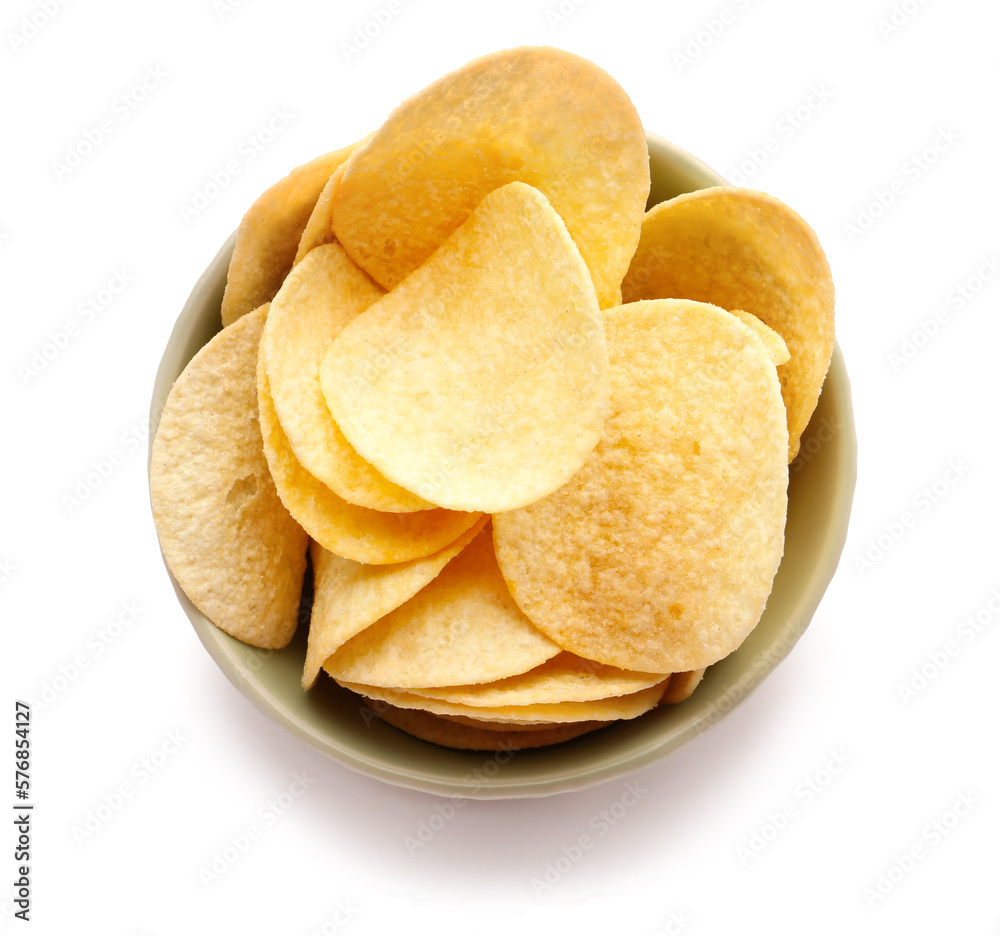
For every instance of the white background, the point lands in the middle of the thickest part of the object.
(685, 857)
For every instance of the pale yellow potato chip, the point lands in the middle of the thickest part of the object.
(775, 344)
(349, 596)
(318, 298)
(269, 234)
(741, 249)
(450, 733)
(536, 115)
(225, 535)
(350, 531)
(564, 678)
(618, 707)
(480, 382)
(681, 686)
(319, 227)
(659, 554)
(462, 627)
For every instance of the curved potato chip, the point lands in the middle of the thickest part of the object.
(345, 529)
(449, 733)
(659, 554)
(319, 227)
(268, 235)
(489, 725)
(480, 382)
(775, 344)
(564, 678)
(225, 535)
(681, 686)
(618, 707)
(741, 249)
(349, 596)
(536, 115)
(318, 298)
(461, 627)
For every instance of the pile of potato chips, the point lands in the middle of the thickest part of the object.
(532, 438)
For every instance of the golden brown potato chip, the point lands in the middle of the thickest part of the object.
(480, 382)
(618, 707)
(491, 725)
(349, 596)
(564, 678)
(535, 115)
(741, 249)
(681, 686)
(450, 733)
(659, 554)
(269, 234)
(319, 227)
(318, 298)
(775, 344)
(225, 535)
(345, 529)
(460, 628)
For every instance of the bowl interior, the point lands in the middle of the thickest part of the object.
(336, 722)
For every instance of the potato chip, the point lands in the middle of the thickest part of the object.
(634, 457)
(449, 733)
(349, 596)
(462, 627)
(485, 723)
(350, 531)
(741, 249)
(659, 554)
(268, 235)
(318, 298)
(681, 686)
(564, 678)
(775, 344)
(480, 382)
(319, 227)
(225, 535)
(618, 707)
(536, 115)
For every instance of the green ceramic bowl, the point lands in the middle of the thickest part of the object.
(335, 722)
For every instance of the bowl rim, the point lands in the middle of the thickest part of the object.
(700, 713)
